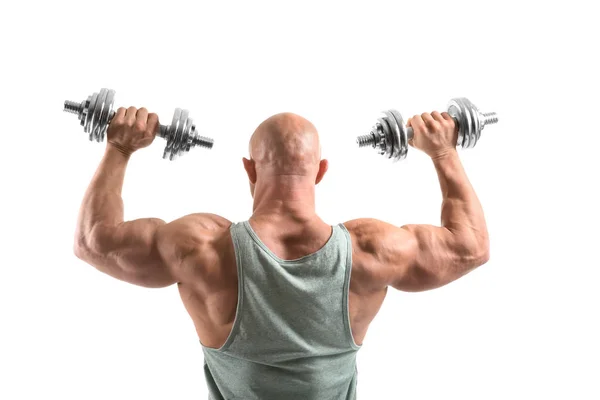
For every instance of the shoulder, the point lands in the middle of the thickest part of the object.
(192, 233)
(378, 248)
(198, 224)
(368, 234)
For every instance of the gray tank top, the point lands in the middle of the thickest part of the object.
(291, 338)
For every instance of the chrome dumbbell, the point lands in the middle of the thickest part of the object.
(96, 112)
(390, 135)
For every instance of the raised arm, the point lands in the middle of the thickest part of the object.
(126, 250)
(423, 257)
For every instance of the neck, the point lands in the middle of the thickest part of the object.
(287, 195)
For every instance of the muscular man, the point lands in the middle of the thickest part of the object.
(282, 301)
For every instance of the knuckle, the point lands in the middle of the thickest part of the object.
(139, 126)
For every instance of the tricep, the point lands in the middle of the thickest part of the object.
(414, 258)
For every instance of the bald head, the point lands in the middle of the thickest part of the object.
(286, 144)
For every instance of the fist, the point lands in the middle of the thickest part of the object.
(434, 133)
(132, 129)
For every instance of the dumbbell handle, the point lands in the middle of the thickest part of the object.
(488, 118)
(74, 107)
(410, 133)
(161, 131)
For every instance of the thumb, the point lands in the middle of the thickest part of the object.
(410, 141)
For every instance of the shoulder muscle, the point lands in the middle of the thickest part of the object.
(383, 250)
(191, 234)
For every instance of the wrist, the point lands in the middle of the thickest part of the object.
(444, 154)
(118, 150)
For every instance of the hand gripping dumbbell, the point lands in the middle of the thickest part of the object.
(390, 135)
(96, 112)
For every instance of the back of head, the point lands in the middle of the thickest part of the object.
(286, 144)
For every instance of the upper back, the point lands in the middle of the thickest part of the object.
(289, 239)
(201, 244)
(290, 334)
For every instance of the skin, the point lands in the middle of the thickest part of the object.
(196, 251)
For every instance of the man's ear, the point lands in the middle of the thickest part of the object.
(250, 168)
(323, 166)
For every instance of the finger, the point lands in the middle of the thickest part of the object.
(410, 141)
(447, 116)
(408, 122)
(130, 115)
(428, 119)
(152, 124)
(142, 115)
(438, 117)
(449, 120)
(417, 123)
(119, 115)
(140, 119)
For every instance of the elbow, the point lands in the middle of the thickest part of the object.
(481, 253)
(483, 256)
(79, 245)
(484, 250)
(81, 250)
(473, 253)
(85, 247)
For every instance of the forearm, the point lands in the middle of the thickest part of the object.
(462, 213)
(102, 205)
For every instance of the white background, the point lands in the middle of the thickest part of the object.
(524, 326)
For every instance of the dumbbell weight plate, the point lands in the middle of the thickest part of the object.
(178, 134)
(88, 116)
(185, 143)
(457, 112)
(402, 150)
(171, 134)
(106, 114)
(83, 113)
(474, 113)
(96, 115)
(395, 134)
(471, 133)
(183, 127)
(465, 113)
(387, 137)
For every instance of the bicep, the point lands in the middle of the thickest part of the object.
(130, 252)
